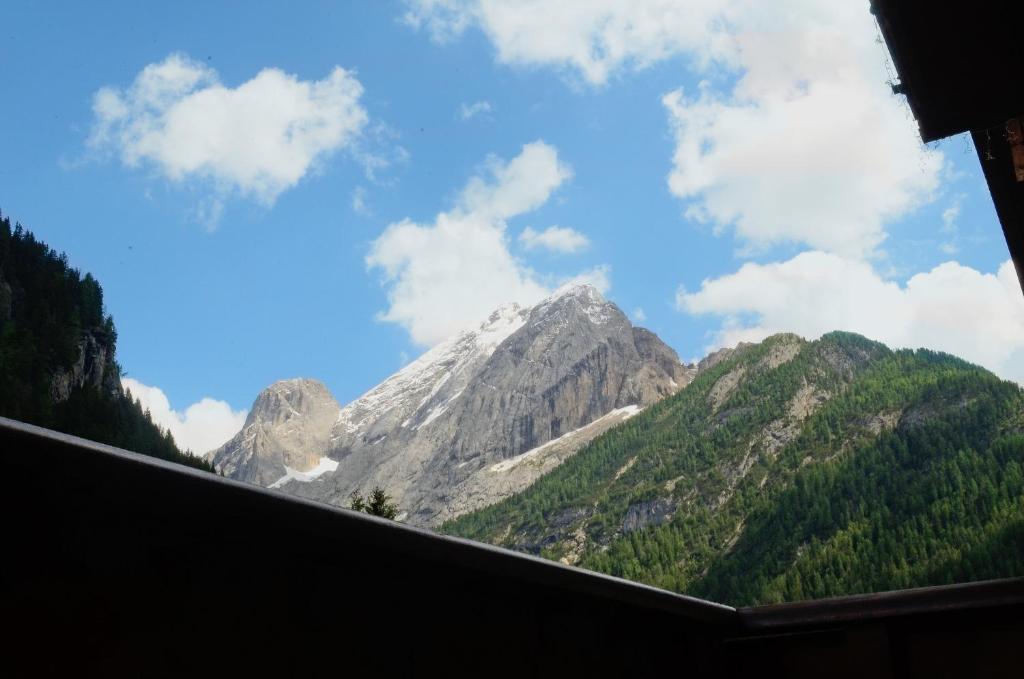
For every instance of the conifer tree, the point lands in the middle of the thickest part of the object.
(378, 504)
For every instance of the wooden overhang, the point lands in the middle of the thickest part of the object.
(961, 68)
(117, 564)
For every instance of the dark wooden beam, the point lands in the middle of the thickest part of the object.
(996, 156)
(960, 64)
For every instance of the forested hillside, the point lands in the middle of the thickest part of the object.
(793, 470)
(57, 353)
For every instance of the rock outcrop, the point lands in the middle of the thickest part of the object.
(287, 431)
(90, 369)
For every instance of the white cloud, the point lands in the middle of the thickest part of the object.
(953, 308)
(806, 144)
(827, 168)
(469, 111)
(599, 277)
(202, 427)
(445, 275)
(951, 214)
(949, 217)
(809, 146)
(638, 315)
(258, 139)
(554, 238)
(378, 152)
(521, 185)
(593, 38)
(359, 205)
(209, 211)
(452, 272)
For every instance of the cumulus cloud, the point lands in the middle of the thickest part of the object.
(593, 38)
(639, 315)
(978, 316)
(469, 111)
(259, 138)
(792, 138)
(201, 427)
(808, 147)
(515, 187)
(445, 275)
(452, 272)
(827, 168)
(553, 238)
(803, 144)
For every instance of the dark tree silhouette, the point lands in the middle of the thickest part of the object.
(377, 504)
(50, 315)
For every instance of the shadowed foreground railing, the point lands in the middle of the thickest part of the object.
(118, 564)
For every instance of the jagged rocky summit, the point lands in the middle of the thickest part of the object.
(285, 435)
(475, 419)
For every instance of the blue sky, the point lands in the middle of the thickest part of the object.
(724, 170)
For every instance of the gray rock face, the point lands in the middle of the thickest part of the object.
(515, 473)
(716, 357)
(647, 513)
(574, 360)
(288, 428)
(95, 354)
(485, 413)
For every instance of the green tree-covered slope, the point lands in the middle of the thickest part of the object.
(57, 353)
(792, 470)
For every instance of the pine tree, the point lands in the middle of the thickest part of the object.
(378, 504)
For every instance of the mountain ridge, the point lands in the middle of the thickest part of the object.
(791, 469)
(520, 379)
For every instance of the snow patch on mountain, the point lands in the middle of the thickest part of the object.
(438, 411)
(594, 305)
(623, 413)
(325, 465)
(429, 375)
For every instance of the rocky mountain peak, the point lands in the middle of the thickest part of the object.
(503, 314)
(581, 291)
(286, 399)
(450, 430)
(502, 322)
(287, 432)
(576, 298)
(443, 434)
